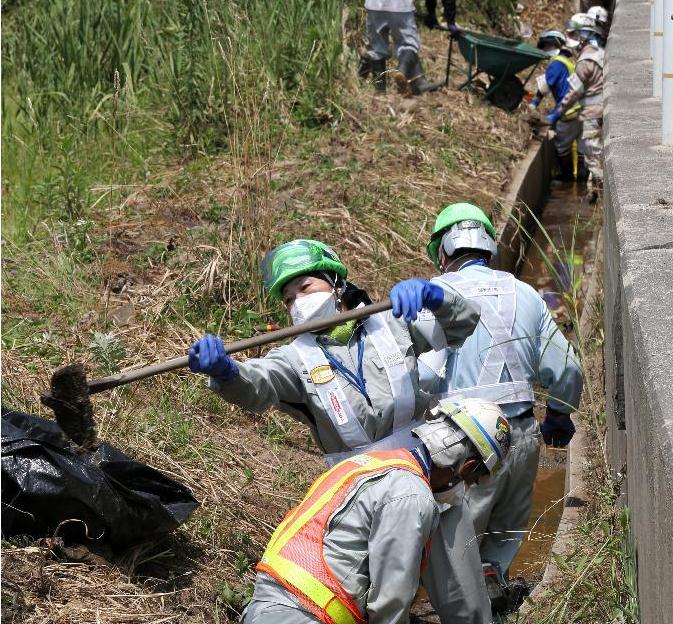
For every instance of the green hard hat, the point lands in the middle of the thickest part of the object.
(452, 214)
(296, 258)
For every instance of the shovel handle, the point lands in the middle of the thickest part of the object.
(107, 383)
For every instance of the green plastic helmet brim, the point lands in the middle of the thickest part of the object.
(296, 258)
(455, 213)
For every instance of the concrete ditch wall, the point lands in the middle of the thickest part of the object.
(638, 305)
(527, 192)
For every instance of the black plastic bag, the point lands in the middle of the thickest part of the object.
(45, 481)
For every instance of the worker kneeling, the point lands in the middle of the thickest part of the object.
(354, 549)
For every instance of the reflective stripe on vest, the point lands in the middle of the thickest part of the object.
(497, 299)
(574, 110)
(570, 66)
(333, 398)
(294, 555)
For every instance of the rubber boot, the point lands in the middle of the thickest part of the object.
(378, 69)
(409, 76)
(582, 169)
(566, 165)
(365, 67)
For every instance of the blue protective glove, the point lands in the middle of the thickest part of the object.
(410, 296)
(553, 117)
(208, 356)
(534, 103)
(557, 428)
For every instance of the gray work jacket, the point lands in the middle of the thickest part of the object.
(279, 379)
(373, 545)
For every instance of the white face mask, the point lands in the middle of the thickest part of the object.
(451, 496)
(318, 305)
(554, 52)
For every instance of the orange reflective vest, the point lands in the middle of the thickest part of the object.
(294, 555)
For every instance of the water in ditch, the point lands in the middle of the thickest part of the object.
(567, 239)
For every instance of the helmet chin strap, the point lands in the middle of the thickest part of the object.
(339, 289)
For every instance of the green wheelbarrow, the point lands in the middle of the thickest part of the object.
(501, 60)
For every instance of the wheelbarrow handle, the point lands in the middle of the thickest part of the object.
(120, 379)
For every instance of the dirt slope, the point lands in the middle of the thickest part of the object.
(139, 281)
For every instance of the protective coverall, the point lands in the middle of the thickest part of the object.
(515, 345)
(374, 546)
(453, 578)
(569, 127)
(586, 87)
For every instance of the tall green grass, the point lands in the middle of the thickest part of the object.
(104, 93)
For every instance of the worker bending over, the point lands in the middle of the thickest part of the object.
(568, 128)
(516, 345)
(353, 550)
(586, 87)
(356, 386)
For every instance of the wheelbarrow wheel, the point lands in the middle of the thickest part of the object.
(507, 94)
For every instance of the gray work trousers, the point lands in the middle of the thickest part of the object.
(381, 25)
(592, 135)
(565, 133)
(501, 506)
(454, 579)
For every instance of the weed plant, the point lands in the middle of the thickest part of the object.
(102, 93)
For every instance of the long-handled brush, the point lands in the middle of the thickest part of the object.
(69, 392)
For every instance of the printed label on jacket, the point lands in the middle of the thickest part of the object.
(341, 418)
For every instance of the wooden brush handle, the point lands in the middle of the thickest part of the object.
(107, 383)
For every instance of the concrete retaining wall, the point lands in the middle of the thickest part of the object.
(639, 302)
(527, 192)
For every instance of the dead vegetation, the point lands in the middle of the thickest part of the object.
(137, 280)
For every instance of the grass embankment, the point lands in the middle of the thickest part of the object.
(152, 153)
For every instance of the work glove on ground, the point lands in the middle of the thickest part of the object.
(534, 103)
(208, 355)
(553, 117)
(410, 296)
(557, 428)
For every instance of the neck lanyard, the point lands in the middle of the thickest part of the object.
(474, 261)
(422, 456)
(354, 379)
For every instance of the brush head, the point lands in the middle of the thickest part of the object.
(69, 398)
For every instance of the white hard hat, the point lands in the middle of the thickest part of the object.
(452, 423)
(468, 235)
(583, 24)
(599, 14)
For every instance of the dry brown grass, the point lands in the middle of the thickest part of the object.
(179, 256)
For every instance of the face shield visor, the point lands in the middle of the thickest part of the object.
(468, 235)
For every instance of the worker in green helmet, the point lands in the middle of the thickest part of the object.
(355, 386)
(516, 346)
